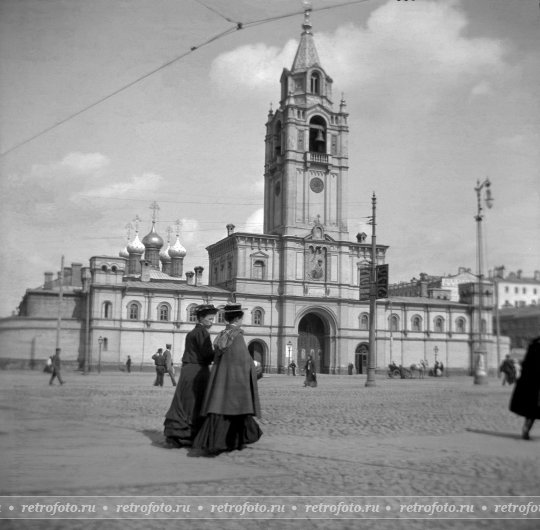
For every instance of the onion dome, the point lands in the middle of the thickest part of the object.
(177, 250)
(136, 247)
(124, 253)
(164, 254)
(152, 240)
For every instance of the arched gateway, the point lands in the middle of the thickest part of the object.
(314, 333)
(257, 349)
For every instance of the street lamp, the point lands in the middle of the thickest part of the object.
(100, 341)
(289, 354)
(480, 374)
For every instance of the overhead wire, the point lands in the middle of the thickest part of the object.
(238, 26)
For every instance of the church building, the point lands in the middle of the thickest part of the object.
(299, 281)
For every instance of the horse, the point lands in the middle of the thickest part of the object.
(420, 368)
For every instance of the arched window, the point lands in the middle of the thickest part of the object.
(460, 325)
(258, 317)
(163, 312)
(315, 83)
(114, 268)
(483, 326)
(439, 324)
(191, 315)
(258, 270)
(394, 323)
(416, 322)
(104, 268)
(317, 135)
(133, 311)
(364, 322)
(107, 310)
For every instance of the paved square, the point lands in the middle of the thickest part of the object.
(102, 435)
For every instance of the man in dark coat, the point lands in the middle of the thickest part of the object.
(159, 361)
(508, 370)
(56, 367)
(167, 357)
(128, 364)
(183, 418)
(526, 397)
(232, 397)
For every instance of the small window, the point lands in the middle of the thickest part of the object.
(394, 323)
(315, 83)
(416, 323)
(460, 325)
(258, 270)
(107, 310)
(104, 268)
(191, 315)
(163, 313)
(114, 268)
(439, 325)
(257, 317)
(221, 317)
(133, 311)
(364, 322)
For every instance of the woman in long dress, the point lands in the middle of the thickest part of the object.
(526, 396)
(183, 418)
(232, 399)
(311, 374)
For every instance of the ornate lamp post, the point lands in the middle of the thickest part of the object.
(100, 341)
(289, 354)
(480, 374)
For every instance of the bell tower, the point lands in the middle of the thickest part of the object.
(306, 161)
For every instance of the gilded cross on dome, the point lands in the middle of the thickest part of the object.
(178, 226)
(137, 220)
(129, 227)
(169, 232)
(155, 208)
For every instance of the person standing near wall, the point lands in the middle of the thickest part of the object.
(128, 364)
(159, 361)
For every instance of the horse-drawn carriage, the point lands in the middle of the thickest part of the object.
(401, 372)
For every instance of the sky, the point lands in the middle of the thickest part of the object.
(440, 94)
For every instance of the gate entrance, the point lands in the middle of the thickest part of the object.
(360, 358)
(312, 340)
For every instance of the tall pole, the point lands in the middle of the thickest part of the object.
(370, 381)
(87, 279)
(60, 298)
(480, 374)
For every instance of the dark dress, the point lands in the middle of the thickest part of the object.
(526, 396)
(183, 419)
(232, 398)
(311, 375)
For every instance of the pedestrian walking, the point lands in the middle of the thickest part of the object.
(167, 357)
(508, 371)
(525, 399)
(183, 418)
(56, 367)
(128, 364)
(159, 362)
(232, 397)
(350, 368)
(311, 373)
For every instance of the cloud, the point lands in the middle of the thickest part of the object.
(137, 185)
(482, 89)
(254, 223)
(414, 53)
(85, 162)
(254, 66)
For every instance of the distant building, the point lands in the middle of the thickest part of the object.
(514, 289)
(521, 324)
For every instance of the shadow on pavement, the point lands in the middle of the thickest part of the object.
(156, 437)
(515, 436)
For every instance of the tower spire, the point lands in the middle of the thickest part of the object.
(306, 55)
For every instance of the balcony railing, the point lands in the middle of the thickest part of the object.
(317, 158)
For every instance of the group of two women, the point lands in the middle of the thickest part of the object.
(213, 410)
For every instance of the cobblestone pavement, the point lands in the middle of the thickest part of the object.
(436, 436)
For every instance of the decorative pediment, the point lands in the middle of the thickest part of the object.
(259, 254)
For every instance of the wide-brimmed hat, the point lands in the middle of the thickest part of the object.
(233, 308)
(205, 309)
